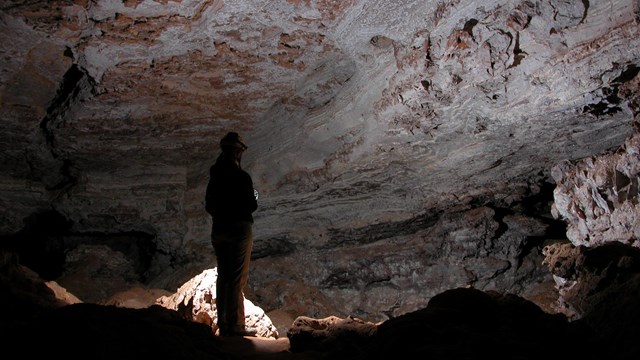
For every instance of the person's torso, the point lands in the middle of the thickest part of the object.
(230, 194)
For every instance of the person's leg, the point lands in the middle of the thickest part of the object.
(222, 242)
(222, 288)
(238, 277)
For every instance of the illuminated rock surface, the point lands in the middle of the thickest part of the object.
(196, 301)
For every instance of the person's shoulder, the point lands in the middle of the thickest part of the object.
(246, 176)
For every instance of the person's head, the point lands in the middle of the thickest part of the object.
(233, 143)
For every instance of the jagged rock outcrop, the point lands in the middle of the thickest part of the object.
(591, 278)
(600, 287)
(196, 301)
(599, 197)
(309, 334)
(462, 324)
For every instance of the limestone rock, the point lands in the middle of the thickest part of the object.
(62, 293)
(599, 196)
(196, 300)
(587, 278)
(315, 334)
(136, 298)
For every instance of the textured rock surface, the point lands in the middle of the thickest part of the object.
(332, 332)
(597, 285)
(587, 278)
(467, 323)
(599, 197)
(378, 273)
(458, 323)
(400, 148)
(196, 301)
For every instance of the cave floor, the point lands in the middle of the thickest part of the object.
(249, 347)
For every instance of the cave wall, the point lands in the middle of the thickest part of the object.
(400, 148)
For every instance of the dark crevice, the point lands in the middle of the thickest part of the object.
(139, 247)
(608, 105)
(47, 236)
(339, 280)
(627, 75)
(534, 206)
(601, 108)
(610, 96)
(539, 202)
(68, 53)
(500, 213)
(272, 247)
(585, 3)
(359, 276)
(372, 233)
(518, 54)
(59, 173)
(40, 243)
(555, 230)
(68, 91)
(469, 25)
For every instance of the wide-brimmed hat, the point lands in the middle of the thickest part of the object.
(233, 140)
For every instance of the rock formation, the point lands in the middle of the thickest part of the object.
(458, 323)
(599, 197)
(401, 149)
(196, 301)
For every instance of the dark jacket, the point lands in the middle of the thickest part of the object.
(229, 195)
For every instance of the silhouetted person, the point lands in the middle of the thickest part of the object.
(231, 201)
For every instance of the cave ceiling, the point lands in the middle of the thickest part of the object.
(355, 112)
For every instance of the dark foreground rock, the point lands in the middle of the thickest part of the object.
(461, 323)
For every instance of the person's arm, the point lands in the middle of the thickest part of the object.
(209, 197)
(251, 204)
